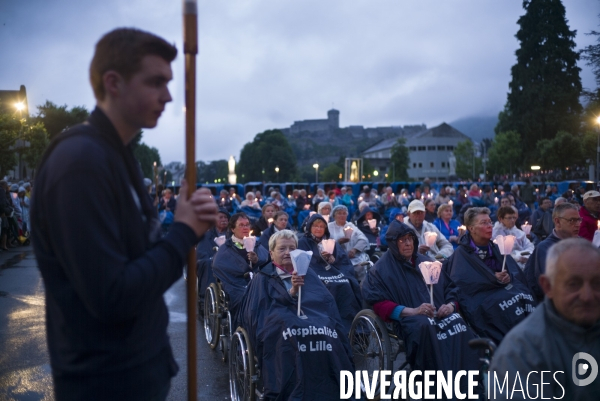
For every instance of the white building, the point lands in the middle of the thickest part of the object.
(429, 150)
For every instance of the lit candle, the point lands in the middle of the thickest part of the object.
(462, 229)
(222, 201)
(496, 200)
(450, 203)
(598, 225)
(270, 220)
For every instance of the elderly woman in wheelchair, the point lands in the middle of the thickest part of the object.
(293, 353)
(233, 267)
(435, 337)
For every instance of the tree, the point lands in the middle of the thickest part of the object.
(465, 157)
(591, 53)
(268, 150)
(146, 156)
(332, 173)
(57, 118)
(505, 153)
(543, 95)
(215, 170)
(400, 160)
(9, 132)
(562, 151)
(38, 140)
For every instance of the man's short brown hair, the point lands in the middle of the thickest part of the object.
(122, 50)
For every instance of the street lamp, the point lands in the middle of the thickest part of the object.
(316, 167)
(277, 171)
(20, 106)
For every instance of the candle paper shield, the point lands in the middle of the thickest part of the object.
(431, 271)
(372, 223)
(348, 232)
(328, 245)
(301, 261)
(505, 243)
(526, 228)
(220, 240)
(430, 238)
(249, 243)
(326, 217)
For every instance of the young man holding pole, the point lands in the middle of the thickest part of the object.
(97, 235)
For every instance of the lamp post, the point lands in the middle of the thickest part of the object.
(277, 171)
(316, 167)
(20, 106)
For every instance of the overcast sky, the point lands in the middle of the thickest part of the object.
(266, 63)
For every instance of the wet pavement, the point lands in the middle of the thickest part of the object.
(24, 363)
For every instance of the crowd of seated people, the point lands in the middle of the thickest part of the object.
(488, 292)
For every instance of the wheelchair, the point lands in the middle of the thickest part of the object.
(244, 373)
(217, 319)
(376, 346)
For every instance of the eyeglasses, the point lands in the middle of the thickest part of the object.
(243, 226)
(573, 221)
(405, 240)
(514, 218)
(485, 223)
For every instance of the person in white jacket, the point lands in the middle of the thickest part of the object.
(507, 217)
(350, 238)
(441, 248)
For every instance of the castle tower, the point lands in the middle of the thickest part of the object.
(333, 116)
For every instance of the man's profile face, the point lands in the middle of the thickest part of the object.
(575, 292)
(143, 97)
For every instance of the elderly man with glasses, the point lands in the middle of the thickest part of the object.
(566, 225)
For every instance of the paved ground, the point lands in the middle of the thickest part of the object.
(24, 362)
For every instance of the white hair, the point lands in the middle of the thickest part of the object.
(284, 234)
(555, 252)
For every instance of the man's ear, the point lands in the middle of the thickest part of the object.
(112, 81)
(546, 285)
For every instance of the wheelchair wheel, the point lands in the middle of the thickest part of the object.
(211, 315)
(370, 344)
(241, 367)
(225, 337)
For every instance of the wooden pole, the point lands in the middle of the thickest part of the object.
(190, 49)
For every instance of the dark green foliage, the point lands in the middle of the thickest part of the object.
(543, 98)
(400, 158)
(505, 153)
(465, 157)
(146, 156)
(9, 132)
(38, 140)
(57, 118)
(561, 151)
(215, 170)
(259, 158)
(332, 173)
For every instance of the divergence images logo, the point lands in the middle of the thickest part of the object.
(581, 368)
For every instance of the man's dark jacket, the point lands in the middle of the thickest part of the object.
(104, 267)
(536, 265)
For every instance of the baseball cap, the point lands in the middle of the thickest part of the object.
(416, 205)
(591, 194)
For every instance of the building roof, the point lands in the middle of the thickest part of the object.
(441, 131)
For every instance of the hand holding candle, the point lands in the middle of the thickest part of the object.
(348, 232)
(431, 274)
(462, 230)
(430, 238)
(526, 228)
